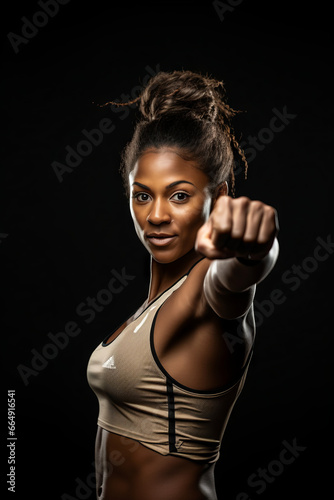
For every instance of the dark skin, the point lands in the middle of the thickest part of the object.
(188, 333)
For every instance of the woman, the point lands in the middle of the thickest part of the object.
(168, 377)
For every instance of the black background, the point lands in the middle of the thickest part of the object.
(60, 240)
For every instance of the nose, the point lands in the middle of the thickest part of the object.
(159, 213)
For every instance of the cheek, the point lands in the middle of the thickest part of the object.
(135, 213)
(202, 209)
(192, 219)
(137, 220)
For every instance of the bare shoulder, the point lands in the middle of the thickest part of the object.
(191, 291)
(193, 301)
(188, 310)
(182, 308)
(187, 329)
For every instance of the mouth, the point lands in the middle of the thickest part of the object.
(160, 239)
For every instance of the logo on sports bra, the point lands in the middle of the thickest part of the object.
(110, 363)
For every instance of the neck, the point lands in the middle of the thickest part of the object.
(165, 275)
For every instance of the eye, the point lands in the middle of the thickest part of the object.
(141, 197)
(180, 196)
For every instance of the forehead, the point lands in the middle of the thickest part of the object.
(162, 167)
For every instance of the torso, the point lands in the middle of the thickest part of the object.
(126, 470)
(193, 351)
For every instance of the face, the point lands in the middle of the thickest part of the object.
(169, 203)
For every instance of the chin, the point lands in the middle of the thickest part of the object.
(168, 256)
(164, 258)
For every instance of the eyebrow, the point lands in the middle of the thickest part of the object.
(167, 187)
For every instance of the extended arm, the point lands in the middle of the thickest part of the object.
(240, 236)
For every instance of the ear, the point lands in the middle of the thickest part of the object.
(221, 190)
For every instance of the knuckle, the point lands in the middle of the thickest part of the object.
(250, 239)
(223, 226)
(223, 204)
(199, 246)
(250, 234)
(242, 201)
(270, 212)
(257, 205)
(238, 230)
(237, 234)
(200, 232)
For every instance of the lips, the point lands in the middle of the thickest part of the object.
(160, 239)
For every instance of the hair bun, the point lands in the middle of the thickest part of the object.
(186, 93)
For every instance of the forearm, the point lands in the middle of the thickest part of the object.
(235, 276)
(229, 284)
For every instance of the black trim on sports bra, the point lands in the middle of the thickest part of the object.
(171, 416)
(104, 341)
(212, 392)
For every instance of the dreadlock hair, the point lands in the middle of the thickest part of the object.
(187, 112)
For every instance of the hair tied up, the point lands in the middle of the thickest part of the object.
(114, 103)
(188, 111)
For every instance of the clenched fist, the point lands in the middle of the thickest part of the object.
(238, 227)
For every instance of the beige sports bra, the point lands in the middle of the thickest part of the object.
(138, 399)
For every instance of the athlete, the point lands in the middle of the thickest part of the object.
(168, 377)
